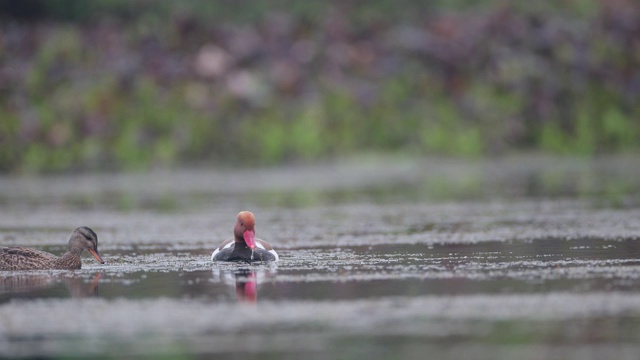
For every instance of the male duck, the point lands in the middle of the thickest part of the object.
(244, 246)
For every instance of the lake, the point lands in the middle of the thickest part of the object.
(527, 257)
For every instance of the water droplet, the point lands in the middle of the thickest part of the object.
(251, 254)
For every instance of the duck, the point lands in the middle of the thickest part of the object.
(21, 258)
(244, 246)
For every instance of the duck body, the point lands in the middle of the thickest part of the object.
(21, 258)
(244, 246)
(231, 250)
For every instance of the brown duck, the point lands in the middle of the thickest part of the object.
(20, 258)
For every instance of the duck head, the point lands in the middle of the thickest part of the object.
(245, 229)
(83, 238)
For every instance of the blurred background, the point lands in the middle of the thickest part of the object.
(134, 85)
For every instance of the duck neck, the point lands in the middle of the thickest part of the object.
(240, 241)
(69, 260)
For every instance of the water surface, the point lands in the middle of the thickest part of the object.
(529, 257)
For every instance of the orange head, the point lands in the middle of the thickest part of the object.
(245, 228)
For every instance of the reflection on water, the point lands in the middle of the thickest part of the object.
(39, 285)
(245, 281)
(247, 286)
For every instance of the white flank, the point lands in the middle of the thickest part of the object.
(274, 254)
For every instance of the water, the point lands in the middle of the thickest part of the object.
(531, 258)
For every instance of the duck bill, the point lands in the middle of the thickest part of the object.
(250, 239)
(96, 255)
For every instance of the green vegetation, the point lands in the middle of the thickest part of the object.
(131, 85)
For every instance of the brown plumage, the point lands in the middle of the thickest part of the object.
(20, 258)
